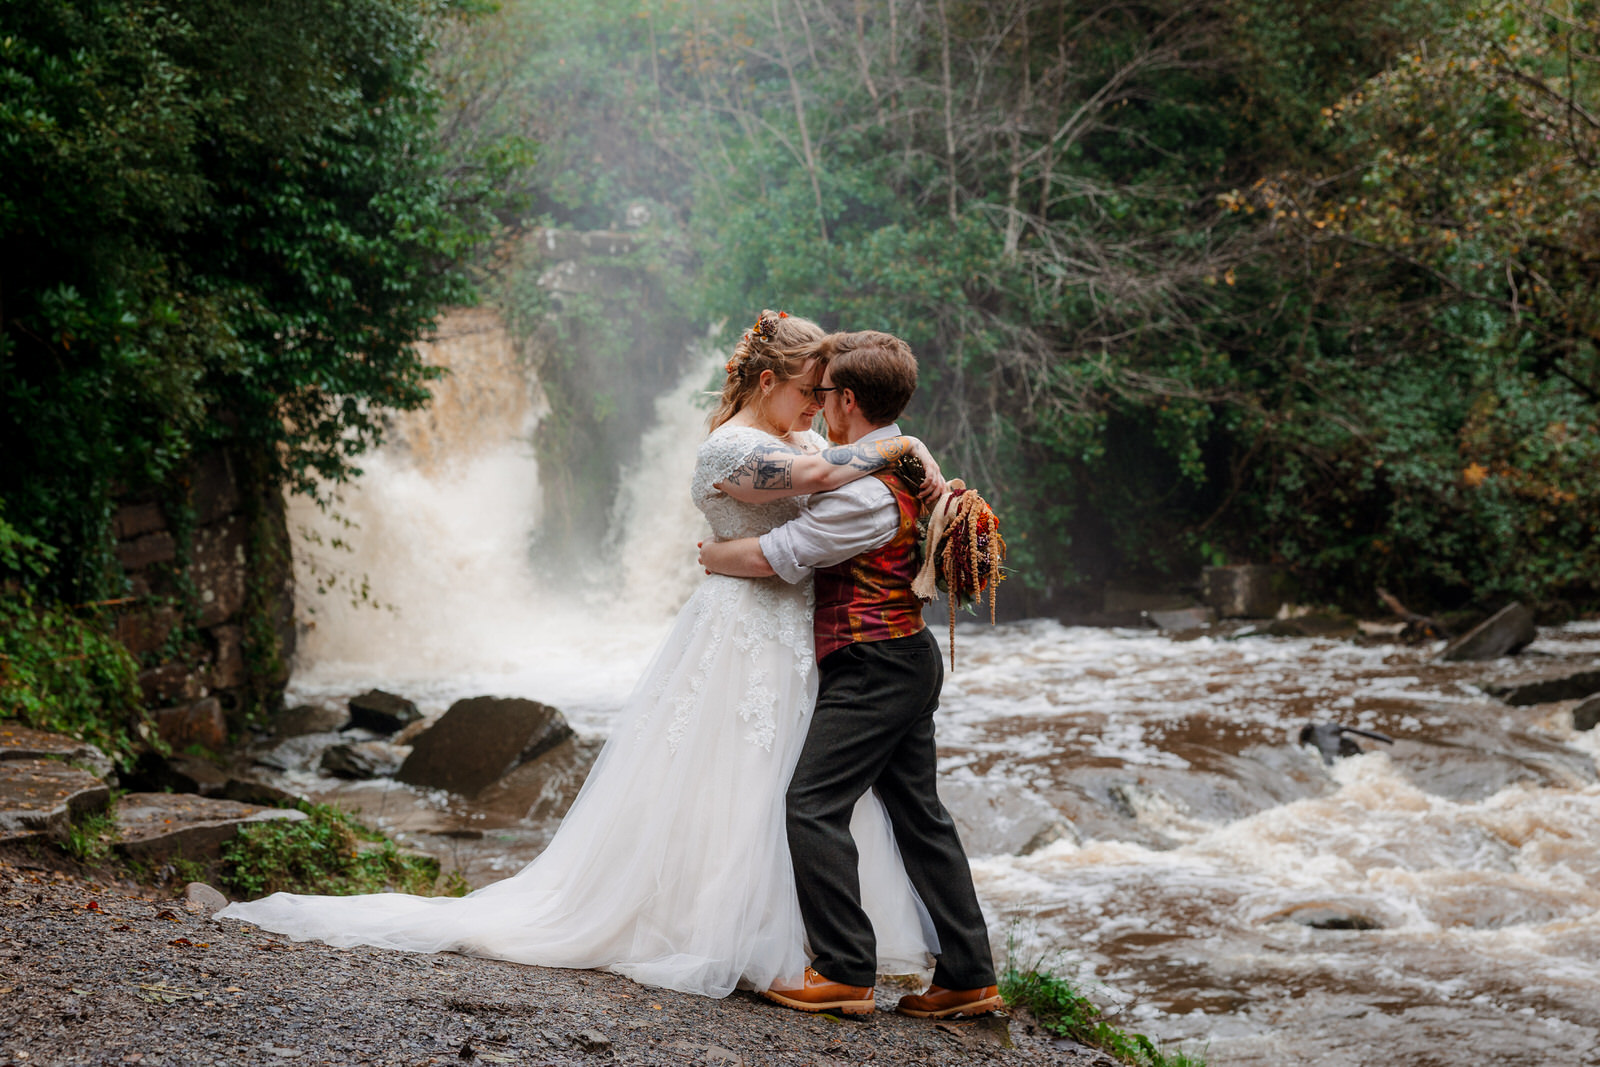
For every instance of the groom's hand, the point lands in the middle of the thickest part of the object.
(736, 559)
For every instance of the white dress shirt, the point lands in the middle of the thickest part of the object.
(834, 526)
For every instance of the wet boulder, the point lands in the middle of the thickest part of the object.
(1327, 915)
(545, 787)
(309, 719)
(381, 712)
(362, 759)
(1570, 682)
(200, 723)
(1312, 625)
(1587, 714)
(481, 740)
(155, 773)
(1253, 591)
(1178, 619)
(1504, 633)
(296, 753)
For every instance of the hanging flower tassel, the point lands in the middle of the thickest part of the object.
(962, 554)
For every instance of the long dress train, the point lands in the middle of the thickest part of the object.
(671, 866)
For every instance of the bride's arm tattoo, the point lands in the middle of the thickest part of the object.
(772, 470)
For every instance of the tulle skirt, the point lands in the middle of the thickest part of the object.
(671, 866)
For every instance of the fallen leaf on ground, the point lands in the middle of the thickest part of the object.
(161, 993)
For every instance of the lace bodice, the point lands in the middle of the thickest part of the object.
(720, 455)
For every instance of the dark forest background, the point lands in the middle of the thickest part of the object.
(1309, 283)
(1222, 281)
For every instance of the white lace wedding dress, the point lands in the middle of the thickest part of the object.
(672, 866)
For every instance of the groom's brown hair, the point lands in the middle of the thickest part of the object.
(877, 367)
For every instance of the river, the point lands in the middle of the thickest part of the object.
(1139, 813)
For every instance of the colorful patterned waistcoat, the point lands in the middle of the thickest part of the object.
(869, 597)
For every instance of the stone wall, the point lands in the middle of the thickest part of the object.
(210, 610)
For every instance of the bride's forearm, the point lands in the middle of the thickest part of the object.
(781, 470)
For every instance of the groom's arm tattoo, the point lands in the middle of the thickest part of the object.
(867, 457)
(771, 468)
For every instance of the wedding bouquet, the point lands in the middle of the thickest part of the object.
(962, 554)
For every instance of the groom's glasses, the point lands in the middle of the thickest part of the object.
(819, 392)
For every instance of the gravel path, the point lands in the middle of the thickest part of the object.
(92, 973)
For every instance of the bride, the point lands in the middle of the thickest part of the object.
(672, 866)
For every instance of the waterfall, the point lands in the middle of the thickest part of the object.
(654, 524)
(419, 575)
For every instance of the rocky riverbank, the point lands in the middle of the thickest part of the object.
(95, 973)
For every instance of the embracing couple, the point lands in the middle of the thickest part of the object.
(764, 813)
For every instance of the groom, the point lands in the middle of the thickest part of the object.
(873, 726)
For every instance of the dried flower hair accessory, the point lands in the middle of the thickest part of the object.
(765, 329)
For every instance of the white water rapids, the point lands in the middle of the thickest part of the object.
(1182, 844)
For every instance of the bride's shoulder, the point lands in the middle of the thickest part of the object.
(728, 443)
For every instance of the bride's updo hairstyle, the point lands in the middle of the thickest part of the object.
(778, 342)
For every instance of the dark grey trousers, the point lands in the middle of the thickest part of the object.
(873, 729)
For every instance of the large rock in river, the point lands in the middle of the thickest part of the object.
(1587, 715)
(1508, 630)
(544, 788)
(1567, 682)
(362, 759)
(309, 719)
(382, 713)
(480, 740)
(1251, 591)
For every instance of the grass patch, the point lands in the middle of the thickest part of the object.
(90, 836)
(329, 853)
(1063, 1010)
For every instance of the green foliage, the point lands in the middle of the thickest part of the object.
(324, 853)
(218, 225)
(1310, 283)
(60, 669)
(1062, 1009)
(90, 837)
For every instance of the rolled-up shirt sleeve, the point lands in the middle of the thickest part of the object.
(831, 528)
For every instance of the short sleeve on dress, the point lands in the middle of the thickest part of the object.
(724, 452)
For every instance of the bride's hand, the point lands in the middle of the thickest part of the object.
(933, 483)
